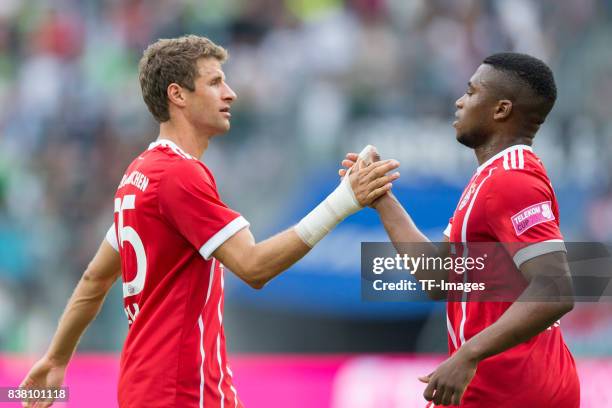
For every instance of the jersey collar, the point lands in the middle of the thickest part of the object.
(169, 143)
(500, 154)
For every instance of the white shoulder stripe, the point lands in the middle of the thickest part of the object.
(513, 159)
(521, 159)
(172, 146)
(506, 162)
(503, 153)
(179, 153)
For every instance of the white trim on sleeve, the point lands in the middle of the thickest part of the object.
(537, 249)
(447, 230)
(111, 237)
(223, 235)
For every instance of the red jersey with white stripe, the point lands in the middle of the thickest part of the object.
(511, 200)
(169, 219)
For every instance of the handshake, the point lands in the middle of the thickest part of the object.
(368, 176)
(364, 180)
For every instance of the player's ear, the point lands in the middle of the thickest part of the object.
(502, 110)
(176, 94)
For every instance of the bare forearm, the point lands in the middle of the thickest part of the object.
(276, 254)
(549, 280)
(519, 323)
(409, 240)
(257, 263)
(82, 308)
(397, 221)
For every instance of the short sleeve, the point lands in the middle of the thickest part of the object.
(447, 230)
(522, 214)
(189, 200)
(111, 237)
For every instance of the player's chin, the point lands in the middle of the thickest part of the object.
(224, 126)
(463, 138)
(458, 134)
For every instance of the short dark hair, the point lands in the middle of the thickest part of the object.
(530, 70)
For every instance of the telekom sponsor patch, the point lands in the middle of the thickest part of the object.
(531, 216)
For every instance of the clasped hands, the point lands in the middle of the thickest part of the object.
(369, 176)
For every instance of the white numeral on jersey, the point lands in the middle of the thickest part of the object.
(131, 311)
(130, 235)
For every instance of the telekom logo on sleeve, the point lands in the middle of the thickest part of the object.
(531, 216)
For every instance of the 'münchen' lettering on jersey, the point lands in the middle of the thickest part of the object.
(169, 220)
(136, 179)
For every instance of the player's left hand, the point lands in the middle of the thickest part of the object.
(351, 159)
(446, 385)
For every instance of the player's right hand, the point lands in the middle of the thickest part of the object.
(45, 374)
(370, 182)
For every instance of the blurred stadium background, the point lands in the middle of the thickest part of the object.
(314, 79)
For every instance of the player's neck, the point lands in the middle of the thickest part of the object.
(184, 137)
(496, 145)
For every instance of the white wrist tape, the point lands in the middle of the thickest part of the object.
(337, 206)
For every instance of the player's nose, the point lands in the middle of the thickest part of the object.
(229, 95)
(459, 102)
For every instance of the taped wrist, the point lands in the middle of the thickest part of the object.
(337, 206)
(330, 212)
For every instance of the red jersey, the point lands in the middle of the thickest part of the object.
(169, 219)
(511, 200)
